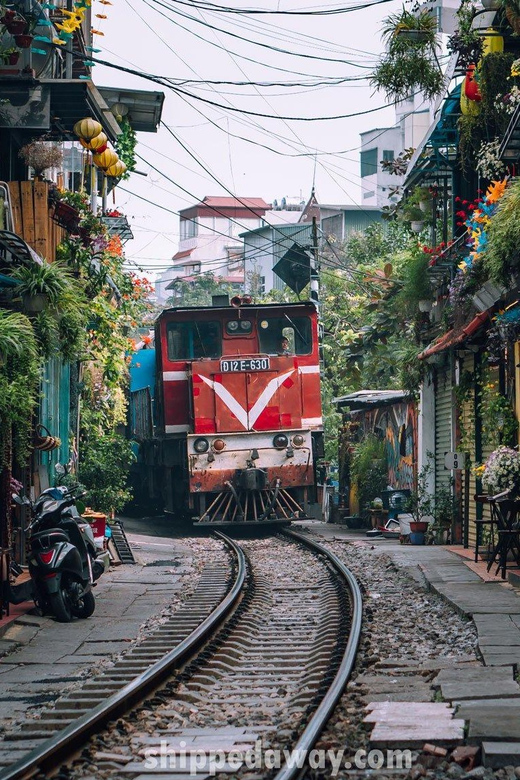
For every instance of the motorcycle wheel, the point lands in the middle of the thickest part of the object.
(85, 606)
(60, 605)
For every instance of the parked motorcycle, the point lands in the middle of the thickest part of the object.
(64, 561)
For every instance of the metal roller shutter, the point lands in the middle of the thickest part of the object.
(444, 413)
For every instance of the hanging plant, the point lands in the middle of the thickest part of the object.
(125, 147)
(410, 63)
(466, 41)
(40, 156)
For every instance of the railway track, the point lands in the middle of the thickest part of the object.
(250, 662)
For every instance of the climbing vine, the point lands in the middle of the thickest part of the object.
(125, 146)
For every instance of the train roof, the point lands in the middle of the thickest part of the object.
(242, 307)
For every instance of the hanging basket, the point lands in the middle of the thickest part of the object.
(43, 440)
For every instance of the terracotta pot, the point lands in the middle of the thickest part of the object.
(13, 58)
(416, 527)
(16, 27)
(8, 16)
(23, 41)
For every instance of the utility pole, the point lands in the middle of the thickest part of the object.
(315, 266)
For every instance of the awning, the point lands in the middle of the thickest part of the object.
(364, 399)
(457, 335)
(74, 99)
(144, 108)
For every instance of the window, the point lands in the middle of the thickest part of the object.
(369, 162)
(192, 340)
(388, 155)
(297, 331)
(189, 228)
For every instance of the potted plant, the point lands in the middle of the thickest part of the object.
(14, 23)
(444, 513)
(25, 38)
(368, 470)
(41, 155)
(423, 198)
(410, 62)
(415, 216)
(421, 505)
(10, 55)
(501, 472)
(40, 285)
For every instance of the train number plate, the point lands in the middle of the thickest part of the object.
(245, 364)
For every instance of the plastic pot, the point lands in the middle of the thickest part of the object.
(23, 41)
(417, 538)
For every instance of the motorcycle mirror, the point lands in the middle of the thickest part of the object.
(80, 506)
(60, 469)
(21, 501)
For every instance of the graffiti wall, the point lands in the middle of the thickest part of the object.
(397, 423)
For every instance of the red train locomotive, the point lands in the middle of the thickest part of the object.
(238, 424)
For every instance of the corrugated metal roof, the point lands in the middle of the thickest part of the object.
(364, 398)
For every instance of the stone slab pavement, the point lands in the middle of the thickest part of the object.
(40, 658)
(487, 697)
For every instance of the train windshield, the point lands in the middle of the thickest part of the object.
(192, 340)
(285, 335)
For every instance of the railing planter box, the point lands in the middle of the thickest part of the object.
(66, 216)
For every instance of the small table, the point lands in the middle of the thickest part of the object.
(505, 512)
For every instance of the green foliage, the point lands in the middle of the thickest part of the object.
(103, 470)
(502, 255)
(499, 423)
(125, 146)
(489, 121)
(19, 383)
(416, 286)
(410, 63)
(369, 469)
(199, 291)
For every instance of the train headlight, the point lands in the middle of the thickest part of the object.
(218, 445)
(280, 441)
(201, 445)
(298, 440)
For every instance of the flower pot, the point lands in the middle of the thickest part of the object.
(13, 58)
(417, 537)
(35, 303)
(23, 41)
(16, 27)
(8, 16)
(424, 205)
(413, 35)
(416, 226)
(418, 527)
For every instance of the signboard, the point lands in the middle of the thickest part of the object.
(294, 268)
(454, 460)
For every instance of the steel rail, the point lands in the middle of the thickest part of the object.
(318, 720)
(46, 757)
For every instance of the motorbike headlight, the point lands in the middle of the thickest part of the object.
(280, 441)
(201, 445)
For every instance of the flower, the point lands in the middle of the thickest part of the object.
(502, 471)
(515, 68)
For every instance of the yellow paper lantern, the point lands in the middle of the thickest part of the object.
(116, 170)
(87, 128)
(95, 143)
(106, 159)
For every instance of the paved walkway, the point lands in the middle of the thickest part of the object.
(485, 695)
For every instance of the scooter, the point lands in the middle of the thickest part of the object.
(64, 561)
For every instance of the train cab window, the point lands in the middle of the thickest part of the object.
(193, 340)
(285, 335)
(239, 327)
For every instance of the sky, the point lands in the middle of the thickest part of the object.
(205, 149)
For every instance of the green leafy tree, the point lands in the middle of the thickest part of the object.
(199, 291)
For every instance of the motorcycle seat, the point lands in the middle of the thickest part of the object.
(52, 536)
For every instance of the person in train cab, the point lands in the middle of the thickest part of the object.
(284, 346)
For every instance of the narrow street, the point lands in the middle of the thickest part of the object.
(430, 624)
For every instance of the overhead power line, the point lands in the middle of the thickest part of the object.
(206, 6)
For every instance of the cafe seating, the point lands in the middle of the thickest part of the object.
(505, 512)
